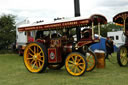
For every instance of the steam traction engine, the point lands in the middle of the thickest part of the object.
(122, 54)
(55, 46)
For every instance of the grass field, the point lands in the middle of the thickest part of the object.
(13, 72)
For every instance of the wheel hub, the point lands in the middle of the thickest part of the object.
(76, 64)
(35, 57)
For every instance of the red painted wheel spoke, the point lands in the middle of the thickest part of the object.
(88, 57)
(91, 63)
(91, 59)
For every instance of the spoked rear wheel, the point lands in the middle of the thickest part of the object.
(91, 60)
(75, 64)
(122, 57)
(35, 57)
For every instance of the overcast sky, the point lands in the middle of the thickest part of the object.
(49, 9)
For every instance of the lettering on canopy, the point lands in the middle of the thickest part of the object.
(55, 25)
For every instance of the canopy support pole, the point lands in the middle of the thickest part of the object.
(99, 30)
(92, 30)
(50, 34)
(27, 35)
(124, 26)
(34, 35)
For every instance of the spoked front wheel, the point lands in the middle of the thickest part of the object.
(122, 57)
(35, 57)
(75, 64)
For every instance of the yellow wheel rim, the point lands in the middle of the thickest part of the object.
(34, 57)
(90, 61)
(75, 64)
(123, 56)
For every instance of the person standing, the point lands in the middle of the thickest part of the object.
(109, 47)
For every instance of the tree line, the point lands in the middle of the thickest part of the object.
(7, 31)
(109, 27)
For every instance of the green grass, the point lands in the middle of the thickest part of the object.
(13, 72)
(5, 51)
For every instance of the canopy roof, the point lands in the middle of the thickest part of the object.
(96, 18)
(65, 23)
(119, 18)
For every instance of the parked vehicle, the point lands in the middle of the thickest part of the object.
(118, 37)
(53, 45)
(21, 38)
(122, 54)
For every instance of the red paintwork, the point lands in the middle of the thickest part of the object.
(50, 51)
(41, 40)
(56, 53)
(96, 18)
(30, 39)
(119, 17)
(55, 43)
(67, 48)
(55, 48)
(59, 55)
(82, 43)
